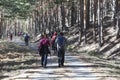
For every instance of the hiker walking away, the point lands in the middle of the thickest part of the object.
(61, 42)
(44, 50)
(54, 47)
(26, 39)
(11, 36)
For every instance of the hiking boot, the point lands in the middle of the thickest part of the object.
(44, 66)
(59, 65)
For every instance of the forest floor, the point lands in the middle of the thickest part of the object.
(20, 62)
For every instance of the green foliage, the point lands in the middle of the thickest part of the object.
(92, 53)
(17, 8)
(69, 48)
(59, 1)
(51, 5)
(12, 47)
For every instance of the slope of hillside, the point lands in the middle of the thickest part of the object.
(110, 48)
(106, 57)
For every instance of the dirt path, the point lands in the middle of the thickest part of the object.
(74, 69)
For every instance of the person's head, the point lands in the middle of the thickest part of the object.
(55, 33)
(45, 35)
(61, 34)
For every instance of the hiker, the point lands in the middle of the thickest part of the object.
(11, 36)
(61, 42)
(44, 50)
(26, 39)
(54, 47)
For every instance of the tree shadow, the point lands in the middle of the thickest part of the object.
(76, 66)
(116, 52)
(73, 40)
(13, 65)
(110, 46)
(2, 77)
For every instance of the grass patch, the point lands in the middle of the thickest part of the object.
(94, 53)
(69, 48)
(14, 57)
(7, 47)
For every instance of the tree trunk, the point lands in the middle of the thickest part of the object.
(87, 13)
(73, 14)
(99, 25)
(118, 20)
(63, 16)
(94, 20)
(81, 27)
(114, 14)
(0, 25)
(85, 21)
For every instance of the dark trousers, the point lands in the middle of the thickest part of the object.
(54, 48)
(10, 37)
(44, 59)
(26, 42)
(44, 54)
(61, 55)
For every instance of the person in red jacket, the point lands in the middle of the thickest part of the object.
(44, 49)
(54, 47)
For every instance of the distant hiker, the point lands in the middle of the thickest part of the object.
(11, 36)
(54, 47)
(19, 33)
(44, 50)
(61, 42)
(26, 39)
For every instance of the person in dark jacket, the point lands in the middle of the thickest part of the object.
(61, 42)
(26, 39)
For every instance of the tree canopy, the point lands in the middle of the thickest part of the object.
(16, 8)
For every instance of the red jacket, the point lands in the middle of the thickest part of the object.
(43, 41)
(54, 37)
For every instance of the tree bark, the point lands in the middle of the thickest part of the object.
(118, 20)
(94, 20)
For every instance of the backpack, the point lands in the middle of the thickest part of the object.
(61, 42)
(45, 46)
(26, 37)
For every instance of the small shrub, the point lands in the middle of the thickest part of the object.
(93, 53)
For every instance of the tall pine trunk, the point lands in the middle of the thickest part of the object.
(118, 20)
(63, 16)
(99, 25)
(1, 25)
(81, 20)
(94, 20)
(86, 19)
